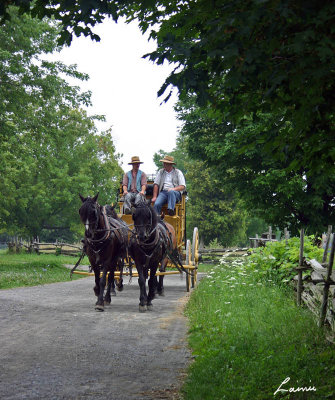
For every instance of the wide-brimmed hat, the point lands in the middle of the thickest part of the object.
(135, 160)
(168, 160)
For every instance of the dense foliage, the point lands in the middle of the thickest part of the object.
(262, 72)
(278, 260)
(50, 150)
(214, 208)
(242, 57)
(282, 196)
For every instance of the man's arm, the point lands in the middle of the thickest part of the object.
(143, 183)
(179, 188)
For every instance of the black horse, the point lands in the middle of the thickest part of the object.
(106, 240)
(150, 244)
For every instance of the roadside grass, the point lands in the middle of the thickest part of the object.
(32, 269)
(205, 267)
(248, 336)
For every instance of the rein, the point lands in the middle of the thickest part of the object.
(107, 231)
(77, 263)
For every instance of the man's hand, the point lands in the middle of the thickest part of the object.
(153, 199)
(125, 192)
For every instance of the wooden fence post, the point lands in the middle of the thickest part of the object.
(325, 253)
(327, 284)
(270, 233)
(286, 235)
(300, 268)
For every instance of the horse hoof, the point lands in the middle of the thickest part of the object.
(99, 307)
(113, 293)
(142, 308)
(107, 302)
(150, 307)
(120, 288)
(161, 293)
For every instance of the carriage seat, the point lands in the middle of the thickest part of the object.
(150, 190)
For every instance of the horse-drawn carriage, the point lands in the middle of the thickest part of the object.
(156, 245)
(189, 251)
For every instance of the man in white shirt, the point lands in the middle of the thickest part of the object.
(168, 185)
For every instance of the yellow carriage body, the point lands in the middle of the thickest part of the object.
(188, 252)
(178, 221)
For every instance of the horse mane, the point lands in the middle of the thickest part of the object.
(110, 211)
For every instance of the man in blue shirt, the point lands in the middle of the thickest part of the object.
(134, 184)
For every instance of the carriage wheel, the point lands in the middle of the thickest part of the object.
(195, 254)
(188, 262)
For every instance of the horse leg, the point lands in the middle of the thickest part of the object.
(110, 288)
(97, 281)
(99, 305)
(160, 287)
(143, 293)
(152, 283)
(112, 283)
(119, 284)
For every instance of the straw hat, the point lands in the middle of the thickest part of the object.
(168, 160)
(135, 160)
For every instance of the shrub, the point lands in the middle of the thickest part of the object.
(278, 260)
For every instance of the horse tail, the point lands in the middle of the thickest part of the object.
(174, 257)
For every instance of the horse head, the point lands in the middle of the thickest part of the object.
(145, 220)
(89, 213)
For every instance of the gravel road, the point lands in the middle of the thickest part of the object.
(54, 345)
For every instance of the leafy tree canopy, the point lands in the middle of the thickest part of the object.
(241, 57)
(266, 65)
(212, 206)
(179, 153)
(50, 150)
(268, 186)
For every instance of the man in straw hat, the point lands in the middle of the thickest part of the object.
(169, 186)
(134, 184)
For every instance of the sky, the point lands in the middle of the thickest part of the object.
(124, 88)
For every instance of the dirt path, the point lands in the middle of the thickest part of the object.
(54, 345)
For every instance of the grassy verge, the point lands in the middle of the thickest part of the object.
(205, 267)
(31, 269)
(248, 337)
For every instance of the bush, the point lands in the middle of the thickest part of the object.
(277, 260)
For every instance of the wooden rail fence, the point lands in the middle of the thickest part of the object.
(57, 248)
(210, 256)
(318, 290)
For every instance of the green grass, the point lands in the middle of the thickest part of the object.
(205, 267)
(248, 336)
(31, 269)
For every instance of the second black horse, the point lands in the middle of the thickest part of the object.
(151, 243)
